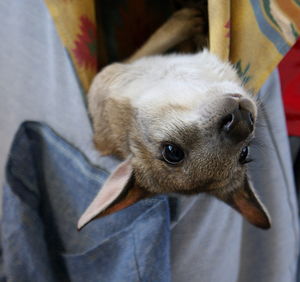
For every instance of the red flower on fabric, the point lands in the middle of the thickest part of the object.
(85, 50)
(227, 25)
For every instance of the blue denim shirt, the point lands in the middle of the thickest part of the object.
(49, 185)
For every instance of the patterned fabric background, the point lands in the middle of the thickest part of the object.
(252, 34)
(76, 25)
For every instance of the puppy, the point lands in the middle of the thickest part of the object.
(181, 123)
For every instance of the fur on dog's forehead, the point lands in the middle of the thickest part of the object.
(174, 91)
(184, 95)
(185, 80)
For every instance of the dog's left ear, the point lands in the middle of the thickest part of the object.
(118, 192)
(246, 202)
(110, 191)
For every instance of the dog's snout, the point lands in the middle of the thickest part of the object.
(238, 124)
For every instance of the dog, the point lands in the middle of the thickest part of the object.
(180, 123)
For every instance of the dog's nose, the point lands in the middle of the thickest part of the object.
(238, 125)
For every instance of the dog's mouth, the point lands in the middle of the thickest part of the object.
(209, 186)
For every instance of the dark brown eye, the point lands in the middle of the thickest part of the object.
(243, 155)
(172, 154)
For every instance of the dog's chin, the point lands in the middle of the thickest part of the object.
(216, 188)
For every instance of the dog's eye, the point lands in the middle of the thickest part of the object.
(172, 154)
(243, 156)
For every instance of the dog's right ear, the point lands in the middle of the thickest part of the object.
(246, 202)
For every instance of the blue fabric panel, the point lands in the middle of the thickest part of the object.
(50, 183)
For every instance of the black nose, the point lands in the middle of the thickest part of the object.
(238, 125)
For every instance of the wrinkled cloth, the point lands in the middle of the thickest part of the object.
(50, 183)
(209, 240)
(212, 241)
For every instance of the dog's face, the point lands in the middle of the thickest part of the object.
(192, 144)
(188, 130)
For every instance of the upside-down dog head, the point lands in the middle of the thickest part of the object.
(185, 127)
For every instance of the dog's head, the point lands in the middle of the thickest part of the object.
(189, 130)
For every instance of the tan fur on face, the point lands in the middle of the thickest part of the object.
(111, 118)
(177, 99)
(114, 125)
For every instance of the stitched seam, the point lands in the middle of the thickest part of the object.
(136, 258)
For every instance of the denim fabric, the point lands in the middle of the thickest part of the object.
(49, 184)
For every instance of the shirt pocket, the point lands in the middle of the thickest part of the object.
(137, 252)
(112, 260)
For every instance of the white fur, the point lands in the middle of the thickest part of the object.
(185, 80)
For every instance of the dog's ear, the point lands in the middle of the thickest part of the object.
(110, 191)
(246, 202)
(118, 192)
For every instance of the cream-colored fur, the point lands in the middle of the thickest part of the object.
(152, 84)
(181, 99)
